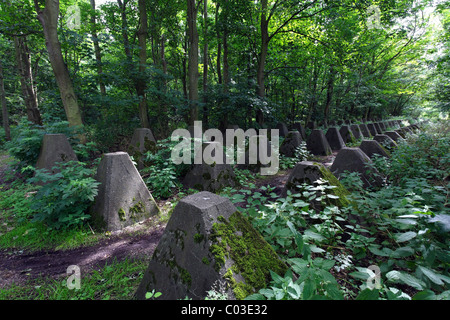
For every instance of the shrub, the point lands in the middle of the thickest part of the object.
(26, 140)
(64, 198)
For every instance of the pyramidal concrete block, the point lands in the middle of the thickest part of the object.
(290, 143)
(373, 147)
(298, 126)
(334, 139)
(206, 241)
(365, 130)
(141, 142)
(309, 172)
(55, 148)
(347, 134)
(356, 131)
(318, 144)
(373, 130)
(123, 198)
(394, 136)
(213, 174)
(385, 140)
(283, 129)
(355, 160)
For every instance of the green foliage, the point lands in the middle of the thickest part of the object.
(163, 173)
(65, 196)
(26, 140)
(116, 280)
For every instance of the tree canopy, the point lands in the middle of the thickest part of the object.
(164, 64)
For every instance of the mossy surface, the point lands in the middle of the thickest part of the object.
(339, 191)
(122, 214)
(252, 256)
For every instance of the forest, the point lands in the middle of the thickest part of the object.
(95, 71)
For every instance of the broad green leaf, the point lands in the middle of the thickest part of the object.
(403, 237)
(430, 274)
(368, 294)
(425, 295)
(255, 296)
(405, 278)
(396, 294)
(403, 252)
(309, 234)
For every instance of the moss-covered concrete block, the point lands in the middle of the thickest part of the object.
(208, 240)
(309, 172)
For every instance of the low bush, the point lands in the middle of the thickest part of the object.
(63, 199)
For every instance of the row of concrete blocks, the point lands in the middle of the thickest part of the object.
(123, 196)
(323, 144)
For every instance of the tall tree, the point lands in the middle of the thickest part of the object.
(23, 61)
(48, 17)
(98, 54)
(139, 77)
(141, 81)
(205, 62)
(193, 44)
(5, 115)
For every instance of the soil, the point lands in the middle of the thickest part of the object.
(19, 266)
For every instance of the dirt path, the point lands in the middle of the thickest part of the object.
(19, 266)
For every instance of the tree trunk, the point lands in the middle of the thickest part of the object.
(138, 81)
(98, 55)
(141, 81)
(5, 115)
(192, 60)
(219, 48)
(48, 17)
(262, 59)
(330, 91)
(26, 80)
(205, 63)
(225, 77)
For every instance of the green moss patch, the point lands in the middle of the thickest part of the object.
(252, 256)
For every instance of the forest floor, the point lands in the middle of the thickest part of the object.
(19, 266)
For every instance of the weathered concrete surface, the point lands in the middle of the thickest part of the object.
(317, 143)
(394, 136)
(298, 126)
(385, 140)
(355, 160)
(141, 142)
(347, 134)
(290, 143)
(213, 173)
(208, 240)
(334, 139)
(365, 130)
(55, 148)
(356, 131)
(283, 129)
(123, 198)
(373, 147)
(379, 129)
(373, 130)
(309, 172)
